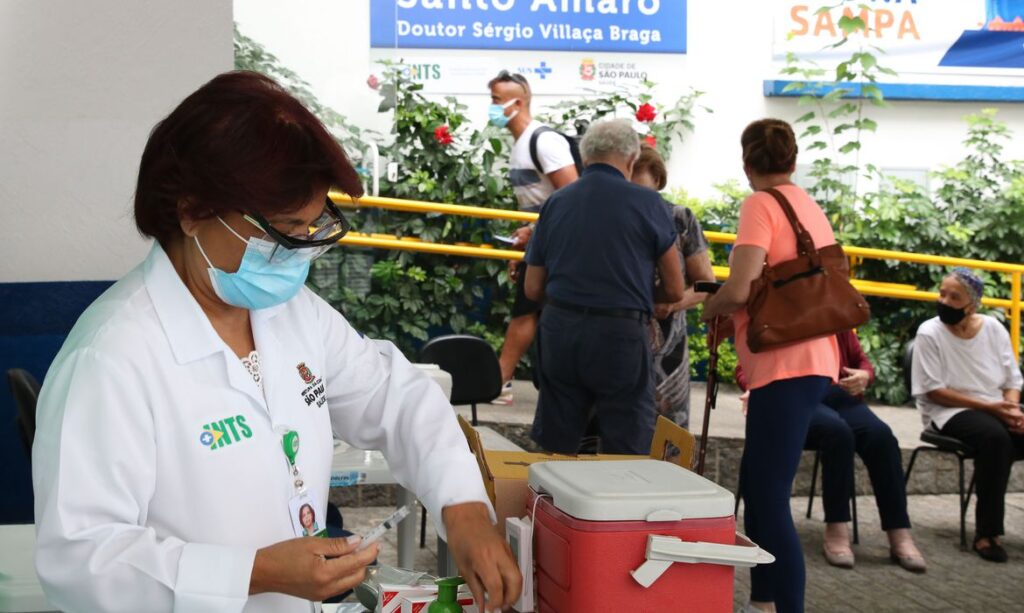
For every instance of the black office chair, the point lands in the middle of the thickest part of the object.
(25, 389)
(473, 365)
(476, 377)
(937, 442)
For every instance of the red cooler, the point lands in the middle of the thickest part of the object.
(639, 536)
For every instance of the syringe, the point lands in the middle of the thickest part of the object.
(391, 521)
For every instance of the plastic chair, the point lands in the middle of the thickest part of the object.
(25, 389)
(937, 442)
(476, 377)
(473, 365)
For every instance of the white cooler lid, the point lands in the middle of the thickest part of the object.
(631, 490)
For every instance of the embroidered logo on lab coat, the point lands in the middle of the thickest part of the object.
(225, 432)
(314, 391)
(306, 374)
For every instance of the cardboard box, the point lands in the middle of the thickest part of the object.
(505, 472)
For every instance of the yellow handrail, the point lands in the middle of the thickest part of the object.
(866, 287)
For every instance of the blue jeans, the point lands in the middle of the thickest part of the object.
(778, 417)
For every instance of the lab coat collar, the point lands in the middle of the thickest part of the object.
(188, 330)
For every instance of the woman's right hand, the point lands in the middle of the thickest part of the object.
(1011, 415)
(312, 568)
(1009, 412)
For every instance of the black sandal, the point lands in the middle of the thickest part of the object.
(993, 553)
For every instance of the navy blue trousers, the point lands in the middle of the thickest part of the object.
(778, 417)
(599, 366)
(840, 426)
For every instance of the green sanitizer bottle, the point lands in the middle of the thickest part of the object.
(447, 596)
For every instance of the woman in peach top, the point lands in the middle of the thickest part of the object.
(786, 384)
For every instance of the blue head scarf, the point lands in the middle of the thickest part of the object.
(972, 283)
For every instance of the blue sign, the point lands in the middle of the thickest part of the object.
(636, 26)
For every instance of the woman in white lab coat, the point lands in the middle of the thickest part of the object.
(189, 416)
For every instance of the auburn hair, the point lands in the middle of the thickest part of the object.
(769, 147)
(650, 161)
(240, 142)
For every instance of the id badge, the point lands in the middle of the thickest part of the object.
(305, 521)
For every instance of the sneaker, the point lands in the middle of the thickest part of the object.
(505, 397)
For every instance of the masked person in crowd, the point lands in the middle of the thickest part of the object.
(188, 418)
(966, 382)
(541, 163)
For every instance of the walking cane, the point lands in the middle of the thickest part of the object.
(711, 397)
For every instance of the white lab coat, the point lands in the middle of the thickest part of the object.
(135, 511)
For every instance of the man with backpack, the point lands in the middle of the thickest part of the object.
(542, 161)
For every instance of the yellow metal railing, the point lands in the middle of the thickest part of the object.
(866, 287)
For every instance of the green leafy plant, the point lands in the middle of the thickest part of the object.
(665, 123)
(251, 55)
(837, 117)
(441, 158)
(699, 354)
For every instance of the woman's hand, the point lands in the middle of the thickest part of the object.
(312, 568)
(663, 309)
(745, 265)
(483, 557)
(1010, 413)
(855, 381)
(744, 399)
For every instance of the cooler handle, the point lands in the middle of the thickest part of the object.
(663, 551)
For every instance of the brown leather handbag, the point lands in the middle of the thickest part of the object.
(804, 298)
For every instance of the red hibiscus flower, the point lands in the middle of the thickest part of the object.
(646, 113)
(442, 136)
(373, 82)
(651, 140)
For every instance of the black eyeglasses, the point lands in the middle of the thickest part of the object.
(319, 236)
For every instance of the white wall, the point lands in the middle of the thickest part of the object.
(729, 56)
(81, 86)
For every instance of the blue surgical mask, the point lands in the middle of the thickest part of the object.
(496, 113)
(258, 283)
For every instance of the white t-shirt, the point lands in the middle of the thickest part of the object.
(532, 188)
(981, 367)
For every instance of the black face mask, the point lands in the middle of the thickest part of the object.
(950, 316)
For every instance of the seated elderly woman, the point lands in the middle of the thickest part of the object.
(841, 425)
(967, 385)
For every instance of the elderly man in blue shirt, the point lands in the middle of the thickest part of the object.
(592, 261)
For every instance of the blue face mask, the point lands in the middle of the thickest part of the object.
(496, 114)
(258, 283)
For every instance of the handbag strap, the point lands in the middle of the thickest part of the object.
(804, 242)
